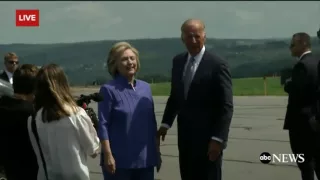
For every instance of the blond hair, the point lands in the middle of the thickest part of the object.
(115, 54)
(53, 93)
(9, 56)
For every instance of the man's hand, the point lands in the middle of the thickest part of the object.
(314, 124)
(287, 85)
(158, 143)
(159, 164)
(214, 150)
(288, 80)
(162, 132)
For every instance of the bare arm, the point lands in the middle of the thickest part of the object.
(105, 145)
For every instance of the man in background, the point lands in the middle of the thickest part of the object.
(17, 155)
(11, 62)
(302, 89)
(201, 97)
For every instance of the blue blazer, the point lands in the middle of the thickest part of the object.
(127, 119)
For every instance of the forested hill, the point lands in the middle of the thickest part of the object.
(84, 61)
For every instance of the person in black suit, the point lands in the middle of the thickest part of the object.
(11, 62)
(302, 89)
(17, 155)
(4, 76)
(201, 98)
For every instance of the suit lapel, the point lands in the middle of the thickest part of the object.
(182, 67)
(198, 74)
(5, 76)
(201, 68)
(304, 56)
(177, 75)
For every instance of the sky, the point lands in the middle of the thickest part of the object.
(62, 22)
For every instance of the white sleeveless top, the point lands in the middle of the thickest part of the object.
(66, 144)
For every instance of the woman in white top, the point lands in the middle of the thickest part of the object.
(66, 133)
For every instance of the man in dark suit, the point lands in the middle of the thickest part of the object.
(18, 158)
(302, 102)
(201, 97)
(4, 76)
(11, 62)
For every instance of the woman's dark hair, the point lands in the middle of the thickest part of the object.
(24, 79)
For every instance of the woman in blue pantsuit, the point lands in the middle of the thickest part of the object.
(127, 124)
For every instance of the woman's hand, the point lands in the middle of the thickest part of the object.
(109, 163)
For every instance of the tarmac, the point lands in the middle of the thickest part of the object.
(256, 127)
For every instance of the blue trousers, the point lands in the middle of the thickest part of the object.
(130, 174)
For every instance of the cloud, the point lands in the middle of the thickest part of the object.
(85, 11)
(82, 21)
(93, 12)
(106, 23)
(77, 11)
(248, 16)
(90, 15)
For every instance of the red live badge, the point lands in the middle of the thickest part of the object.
(27, 17)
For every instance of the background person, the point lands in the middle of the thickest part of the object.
(11, 62)
(127, 123)
(16, 152)
(66, 133)
(201, 96)
(302, 90)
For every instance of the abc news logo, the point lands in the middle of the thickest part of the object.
(266, 158)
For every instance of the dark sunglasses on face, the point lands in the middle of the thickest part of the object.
(13, 62)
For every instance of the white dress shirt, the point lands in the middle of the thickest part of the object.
(303, 54)
(65, 144)
(9, 74)
(197, 60)
(307, 52)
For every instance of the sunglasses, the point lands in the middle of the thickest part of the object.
(13, 62)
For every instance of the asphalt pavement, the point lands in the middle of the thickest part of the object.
(256, 127)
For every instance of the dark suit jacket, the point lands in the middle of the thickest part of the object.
(18, 158)
(208, 109)
(4, 76)
(302, 90)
